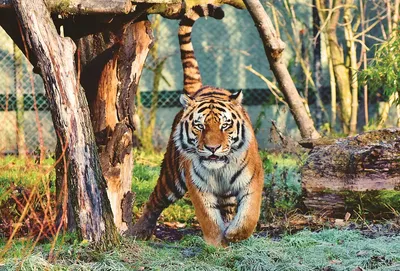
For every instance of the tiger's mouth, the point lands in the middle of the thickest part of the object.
(214, 158)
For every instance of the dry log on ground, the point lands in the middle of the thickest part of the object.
(79, 170)
(359, 173)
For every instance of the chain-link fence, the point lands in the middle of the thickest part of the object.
(223, 48)
(25, 120)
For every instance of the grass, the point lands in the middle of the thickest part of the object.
(328, 249)
(24, 173)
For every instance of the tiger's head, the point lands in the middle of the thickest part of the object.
(214, 127)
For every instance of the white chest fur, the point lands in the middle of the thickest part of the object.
(230, 179)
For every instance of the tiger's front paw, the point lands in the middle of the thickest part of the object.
(231, 234)
(236, 233)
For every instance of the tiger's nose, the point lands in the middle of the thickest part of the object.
(212, 148)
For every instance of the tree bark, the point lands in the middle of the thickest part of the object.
(353, 66)
(111, 64)
(317, 64)
(342, 73)
(274, 47)
(340, 175)
(70, 114)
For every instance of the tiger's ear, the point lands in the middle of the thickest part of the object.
(237, 97)
(186, 100)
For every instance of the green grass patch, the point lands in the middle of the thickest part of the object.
(24, 173)
(326, 250)
(282, 185)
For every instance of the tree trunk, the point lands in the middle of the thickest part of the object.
(342, 73)
(111, 64)
(353, 69)
(70, 114)
(355, 172)
(274, 47)
(317, 64)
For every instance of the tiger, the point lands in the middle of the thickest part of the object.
(212, 154)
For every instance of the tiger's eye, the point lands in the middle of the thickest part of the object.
(200, 126)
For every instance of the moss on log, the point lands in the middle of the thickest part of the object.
(360, 173)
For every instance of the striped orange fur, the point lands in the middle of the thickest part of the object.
(212, 153)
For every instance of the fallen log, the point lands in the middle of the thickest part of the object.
(360, 173)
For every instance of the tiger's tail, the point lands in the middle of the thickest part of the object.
(191, 73)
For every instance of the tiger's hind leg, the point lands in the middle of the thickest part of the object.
(169, 188)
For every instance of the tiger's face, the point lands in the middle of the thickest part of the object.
(213, 129)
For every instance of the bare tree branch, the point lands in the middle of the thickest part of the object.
(274, 47)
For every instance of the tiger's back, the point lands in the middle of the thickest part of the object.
(212, 153)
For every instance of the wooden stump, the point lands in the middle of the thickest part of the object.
(359, 173)
(81, 173)
(111, 59)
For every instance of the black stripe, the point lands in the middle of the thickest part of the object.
(164, 199)
(171, 185)
(186, 22)
(213, 206)
(203, 103)
(231, 204)
(187, 54)
(202, 109)
(240, 200)
(182, 182)
(220, 109)
(237, 174)
(184, 146)
(212, 93)
(190, 64)
(191, 111)
(199, 10)
(215, 12)
(186, 35)
(187, 51)
(185, 38)
(236, 139)
(198, 175)
(243, 137)
(169, 172)
(221, 104)
(190, 140)
(189, 77)
(185, 41)
(227, 195)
